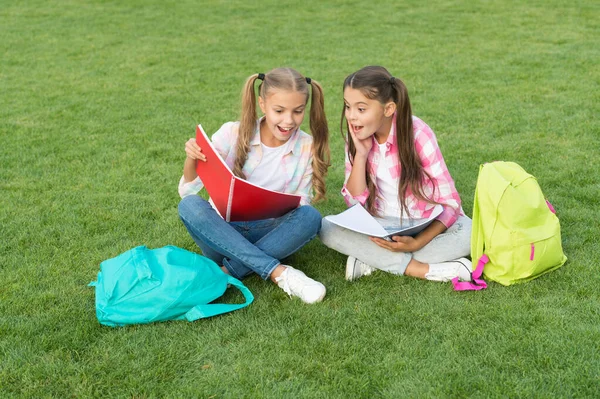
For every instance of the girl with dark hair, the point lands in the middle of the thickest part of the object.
(396, 170)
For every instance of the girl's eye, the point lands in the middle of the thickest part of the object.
(299, 112)
(278, 111)
(361, 109)
(347, 107)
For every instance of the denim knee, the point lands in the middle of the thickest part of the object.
(191, 206)
(311, 218)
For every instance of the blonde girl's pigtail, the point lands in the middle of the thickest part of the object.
(320, 132)
(247, 124)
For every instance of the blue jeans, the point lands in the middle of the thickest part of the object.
(247, 247)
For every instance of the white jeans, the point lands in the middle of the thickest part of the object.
(452, 244)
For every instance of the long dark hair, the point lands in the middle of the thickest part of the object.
(376, 83)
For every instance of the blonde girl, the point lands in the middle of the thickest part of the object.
(274, 153)
(395, 168)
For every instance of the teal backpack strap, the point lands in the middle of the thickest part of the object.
(213, 309)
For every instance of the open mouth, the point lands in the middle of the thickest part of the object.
(285, 130)
(357, 129)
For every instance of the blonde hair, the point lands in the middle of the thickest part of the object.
(291, 80)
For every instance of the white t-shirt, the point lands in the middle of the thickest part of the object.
(269, 174)
(388, 204)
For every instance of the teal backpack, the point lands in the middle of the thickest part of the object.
(147, 285)
(516, 233)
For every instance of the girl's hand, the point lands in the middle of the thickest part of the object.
(362, 146)
(193, 150)
(399, 244)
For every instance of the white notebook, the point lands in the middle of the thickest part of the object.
(358, 219)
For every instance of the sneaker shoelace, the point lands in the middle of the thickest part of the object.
(287, 279)
(293, 283)
(364, 268)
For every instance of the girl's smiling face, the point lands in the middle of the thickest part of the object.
(284, 113)
(365, 116)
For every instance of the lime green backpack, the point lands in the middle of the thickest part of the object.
(514, 227)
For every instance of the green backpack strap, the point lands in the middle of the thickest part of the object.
(493, 180)
(213, 309)
(477, 238)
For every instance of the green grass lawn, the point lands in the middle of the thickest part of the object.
(97, 99)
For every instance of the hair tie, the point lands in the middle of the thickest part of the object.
(308, 80)
(393, 81)
(261, 76)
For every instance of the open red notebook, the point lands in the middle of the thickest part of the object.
(235, 198)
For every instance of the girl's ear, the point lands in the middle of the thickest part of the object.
(261, 104)
(389, 109)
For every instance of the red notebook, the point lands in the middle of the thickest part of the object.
(235, 198)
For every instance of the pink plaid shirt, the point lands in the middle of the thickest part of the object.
(433, 163)
(296, 162)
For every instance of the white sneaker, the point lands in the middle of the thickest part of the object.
(356, 269)
(446, 271)
(296, 283)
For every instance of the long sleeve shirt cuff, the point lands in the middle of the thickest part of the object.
(351, 199)
(448, 216)
(189, 188)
